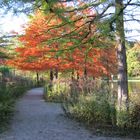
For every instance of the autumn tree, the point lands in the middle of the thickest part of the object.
(41, 51)
(111, 16)
(33, 54)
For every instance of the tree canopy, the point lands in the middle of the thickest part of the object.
(47, 47)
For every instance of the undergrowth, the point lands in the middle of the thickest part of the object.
(9, 93)
(94, 103)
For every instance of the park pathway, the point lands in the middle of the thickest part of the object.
(35, 119)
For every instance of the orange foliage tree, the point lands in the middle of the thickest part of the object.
(50, 44)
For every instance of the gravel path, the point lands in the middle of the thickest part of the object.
(36, 120)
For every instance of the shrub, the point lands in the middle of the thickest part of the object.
(6, 107)
(89, 101)
(135, 116)
(94, 103)
(55, 92)
(8, 94)
(129, 119)
(93, 110)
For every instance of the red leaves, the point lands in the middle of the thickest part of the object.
(39, 55)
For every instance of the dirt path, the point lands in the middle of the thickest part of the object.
(36, 120)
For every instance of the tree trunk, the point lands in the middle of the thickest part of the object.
(37, 78)
(85, 72)
(56, 74)
(72, 75)
(78, 76)
(51, 75)
(121, 54)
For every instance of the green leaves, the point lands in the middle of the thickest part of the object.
(3, 55)
(4, 69)
(133, 62)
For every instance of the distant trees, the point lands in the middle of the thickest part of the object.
(133, 60)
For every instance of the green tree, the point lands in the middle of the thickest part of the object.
(133, 60)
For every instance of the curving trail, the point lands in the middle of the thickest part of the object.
(37, 120)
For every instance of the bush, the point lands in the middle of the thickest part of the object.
(89, 101)
(8, 95)
(6, 107)
(93, 110)
(55, 92)
(135, 116)
(94, 103)
(129, 119)
(98, 108)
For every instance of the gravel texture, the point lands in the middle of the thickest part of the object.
(35, 119)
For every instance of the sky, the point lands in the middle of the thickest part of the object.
(135, 33)
(10, 23)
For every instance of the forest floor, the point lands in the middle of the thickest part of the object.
(35, 119)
